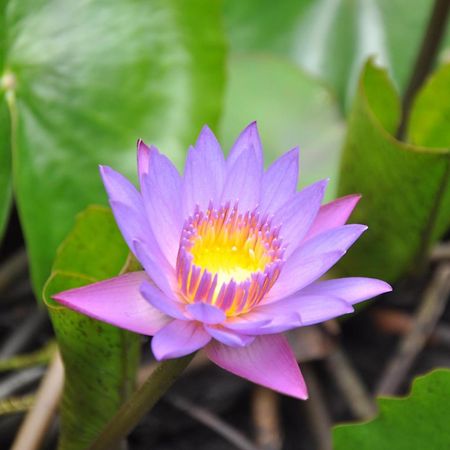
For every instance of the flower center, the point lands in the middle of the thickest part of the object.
(227, 258)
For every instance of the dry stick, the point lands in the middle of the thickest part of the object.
(23, 334)
(400, 323)
(266, 419)
(38, 420)
(359, 400)
(317, 411)
(425, 320)
(19, 380)
(425, 59)
(212, 421)
(441, 252)
(12, 268)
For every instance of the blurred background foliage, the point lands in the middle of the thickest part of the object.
(81, 81)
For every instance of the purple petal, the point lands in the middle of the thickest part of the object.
(335, 239)
(297, 215)
(119, 188)
(206, 313)
(143, 158)
(161, 190)
(126, 204)
(248, 139)
(310, 309)
(228, 337)
(279, 182)
(352, 290)
(243, 182)
(158, 269)
(178, 338)
(298, 272)
(116, 301)
(273, 324)
(162, 302)
(268, 361)
(204, 174)
(333, 214)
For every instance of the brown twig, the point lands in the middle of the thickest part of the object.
(265, 413)
(359, 400)
(12, 268)
(38, 420)
(19, 380)
(23, 334)
(440, 252)
(212, 421)
(319, 420)
(400, 323)
(430, 310)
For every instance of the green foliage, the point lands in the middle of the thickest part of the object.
(406, 197)
(416, 422)
(5, 165)
(5, 130)
(332, 38)
(292, 109)
(100, 360)
(92, 77)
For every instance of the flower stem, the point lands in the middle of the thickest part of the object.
(141, 401)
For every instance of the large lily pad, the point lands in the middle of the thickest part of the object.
(416, 422)
(100, 360)
(91, 78)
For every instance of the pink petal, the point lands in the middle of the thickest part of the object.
(299, 272)
(297, 214)
(333, 214)
(279, 182)
(162, 302)
(248, 139)
(243, 182)
(116, 301)
(161, 190)
(143, 158)
(206, 313)
(352, 290)
(178, 338)
(204, 174)
(268, 361)
(228, 337)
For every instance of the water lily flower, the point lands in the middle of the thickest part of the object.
(231, 253)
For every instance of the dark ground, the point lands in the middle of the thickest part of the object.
(344, 364)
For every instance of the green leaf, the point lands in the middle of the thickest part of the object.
(100, 360)
(5, 165)
(332, 38)
(406, 197)
(416, 422)
(5, 131)
(92, 77)
(292, 109)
